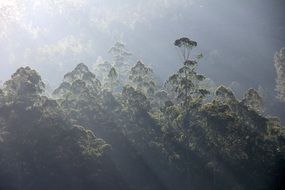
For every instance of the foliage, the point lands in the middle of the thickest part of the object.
(224, 94)
(25, 82)
(101, 69)
(112, 80)
(142, 78)
(79, 81)
(253, 100)
(92, 136)
(186, 83)
(185, 45)
(120, 57)
(40, 149)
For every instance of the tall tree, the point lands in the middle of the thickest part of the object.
(185, 46)
(186, 82)
(120, 60)
(142, 78)
(186, 85)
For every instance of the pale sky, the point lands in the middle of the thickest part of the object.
(237, 37)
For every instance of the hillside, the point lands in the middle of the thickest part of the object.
(128, 131)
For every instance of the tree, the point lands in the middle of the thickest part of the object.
(120, 57)
(142, 78)
(185, 46)
(186, 85)
(101, 69)
(224, 94)
(135, 99)
(25, 82)
(253, 100)
(279, 64)
(41, 149)
(86, 137)
(112, 80)
(186, 82)
(160, 98)
(78, 82)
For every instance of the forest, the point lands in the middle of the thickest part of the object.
(120, 128)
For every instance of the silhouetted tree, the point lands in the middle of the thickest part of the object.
(186, 82)
(185, 46)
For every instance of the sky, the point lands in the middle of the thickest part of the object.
(238, 38)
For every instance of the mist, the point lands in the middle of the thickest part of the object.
(142, 95)
(237, 38)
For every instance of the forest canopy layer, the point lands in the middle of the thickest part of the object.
(119, 128)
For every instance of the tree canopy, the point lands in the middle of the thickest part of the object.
(136, 134)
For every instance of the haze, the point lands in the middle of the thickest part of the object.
(238, 38)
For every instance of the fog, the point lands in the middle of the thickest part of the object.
(142, 95)
(238, 38)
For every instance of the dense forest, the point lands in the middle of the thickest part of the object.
(119, 128)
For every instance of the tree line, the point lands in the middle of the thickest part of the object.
(121, 129)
